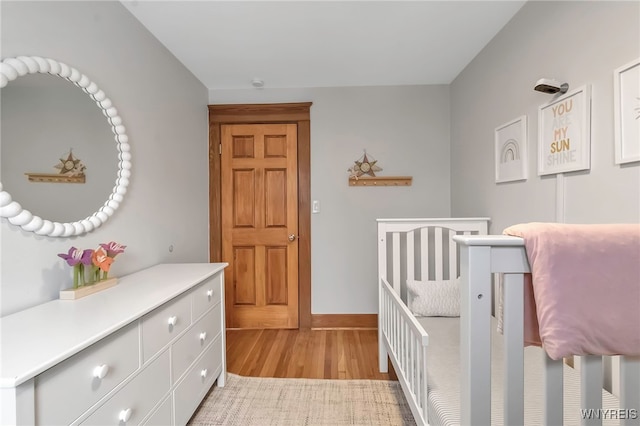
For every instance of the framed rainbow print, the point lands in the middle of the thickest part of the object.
(626, 94)
(511, 150)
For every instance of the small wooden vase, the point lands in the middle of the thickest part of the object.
(77, 293)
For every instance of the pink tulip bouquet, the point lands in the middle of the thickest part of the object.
(97, 261)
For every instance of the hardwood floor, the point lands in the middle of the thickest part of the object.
(313, 354)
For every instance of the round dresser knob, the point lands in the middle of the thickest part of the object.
(172, 320)
(203, 336)
(203, 373)
(209, 293)
(101, 371)
(125, 415)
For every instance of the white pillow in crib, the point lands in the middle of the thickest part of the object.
(434, 298)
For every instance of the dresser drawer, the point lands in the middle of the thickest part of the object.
(65, 391)
(163, 324)
(206, 295)
(198, 380)
(162, 415)
(190, 345)
(137, 398)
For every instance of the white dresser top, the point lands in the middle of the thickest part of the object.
(38, 338)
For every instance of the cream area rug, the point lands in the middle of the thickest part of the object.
(292, 402)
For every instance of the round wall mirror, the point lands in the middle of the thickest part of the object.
(58, 160)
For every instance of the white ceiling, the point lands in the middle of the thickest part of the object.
(291, 44)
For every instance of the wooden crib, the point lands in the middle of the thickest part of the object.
(406, 250)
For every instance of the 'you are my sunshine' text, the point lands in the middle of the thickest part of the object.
(560, 151)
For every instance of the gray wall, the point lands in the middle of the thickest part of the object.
(407, 130)
(578, 42)
(163, 107)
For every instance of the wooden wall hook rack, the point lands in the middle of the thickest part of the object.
(381, 181)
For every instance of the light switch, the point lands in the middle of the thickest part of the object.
(315, 207)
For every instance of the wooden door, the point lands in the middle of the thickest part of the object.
(260, 224)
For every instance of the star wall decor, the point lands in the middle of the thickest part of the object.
(364, 166)
(70, 166)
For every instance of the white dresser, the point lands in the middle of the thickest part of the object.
(146, 351)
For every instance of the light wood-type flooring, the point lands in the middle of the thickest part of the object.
(312, 354)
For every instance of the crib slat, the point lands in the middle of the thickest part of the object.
(395, 330)
(630, 389)
(392, 329)
(453, 261)
(399, 344)
(403, 346)
(591, 387)
(396, 261)
(411, 270)
(424, 254)
(416, 372)
(438, 253)
(514, 349)
(388, 316)
(553, 391)
(423, 383)
(407, 350)
(412, 358)
(398, 326)
(392, 325)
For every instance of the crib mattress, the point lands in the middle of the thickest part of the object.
(444, 379)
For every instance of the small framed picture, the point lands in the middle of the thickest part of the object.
(511, 150)
(564, 133)
(626, 106)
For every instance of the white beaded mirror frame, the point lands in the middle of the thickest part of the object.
(12, 68)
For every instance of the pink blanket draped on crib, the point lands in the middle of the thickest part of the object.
(583, 294)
